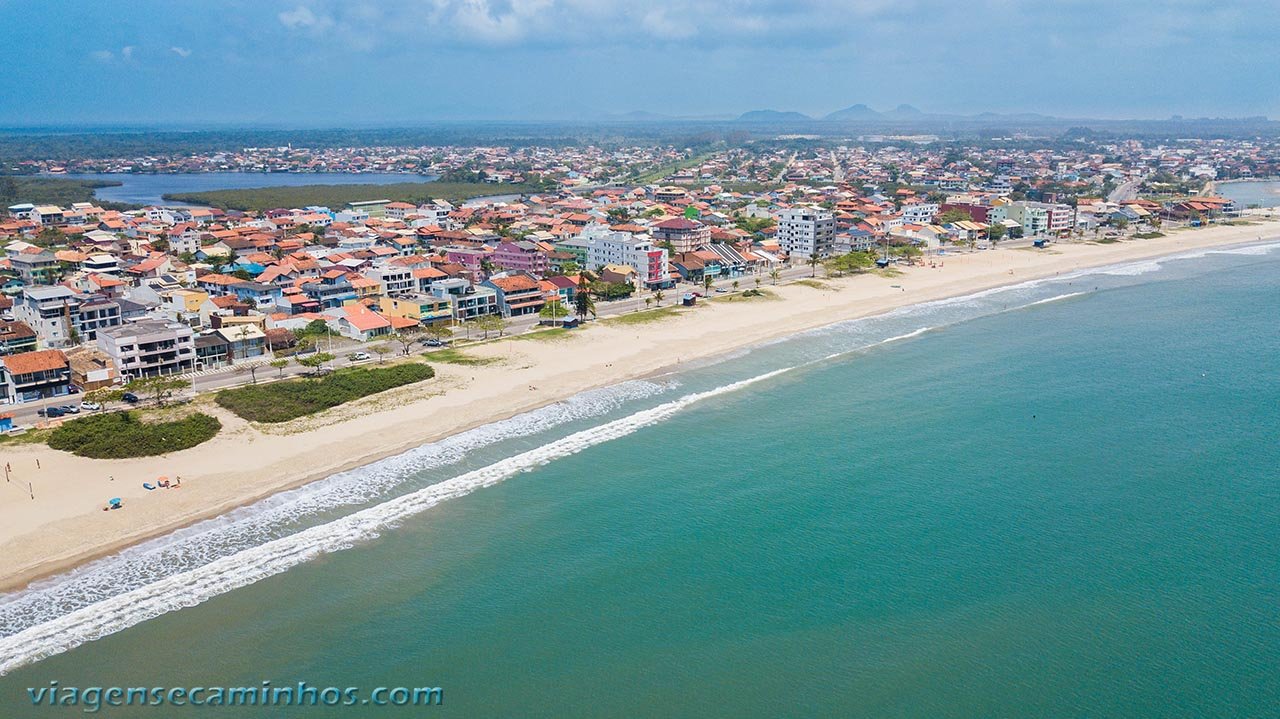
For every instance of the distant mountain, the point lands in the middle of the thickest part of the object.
(904, 112)
(773, 116)
(855, 112)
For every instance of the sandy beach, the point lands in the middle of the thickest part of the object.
(64, 524)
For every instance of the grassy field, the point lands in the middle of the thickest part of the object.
(553, 334)
(116, 435)
(815, 284)
(642, 317)
(458, 357)
(337, 196)
(290, 399)
(48, 190)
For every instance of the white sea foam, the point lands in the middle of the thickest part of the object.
(1252, 250)
(1055, 298)
(283, 513)
(191, 587)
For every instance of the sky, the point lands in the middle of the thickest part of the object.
(302, 63)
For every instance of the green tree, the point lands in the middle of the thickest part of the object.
(382, 351)
(773, 275)
(995, 232)
(280, 364)
(159, 389)
(707, 281)
(405, 338)
(814, 261)
(315, 361)
(554, 311)
(438, 332)
(952, 216)
(105, 396)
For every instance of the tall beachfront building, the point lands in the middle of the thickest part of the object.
(805, 232)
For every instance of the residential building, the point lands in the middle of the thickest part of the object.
(40, 267)
(243, 340)
(32, 376)
(16, 337)
(521, 256)
(607, 247)
(467, 300)
(685, 235)
(519, 294)
(392, 280)
(805, 232)
(149, 348)
(423, 308)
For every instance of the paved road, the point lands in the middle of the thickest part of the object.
(1127, 191)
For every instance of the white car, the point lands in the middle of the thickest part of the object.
(91, 406)
(359, 356)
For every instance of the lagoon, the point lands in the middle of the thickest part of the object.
(149, 189)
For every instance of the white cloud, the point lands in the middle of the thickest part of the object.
(180, 51)
(102, 55)
(126, 53)
(484, 22)
(302, 18)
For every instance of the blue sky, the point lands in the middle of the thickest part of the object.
(330, 62)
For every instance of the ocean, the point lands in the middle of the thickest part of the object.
(1058, 498)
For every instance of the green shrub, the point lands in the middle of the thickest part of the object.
(290, 399)
(116, 435)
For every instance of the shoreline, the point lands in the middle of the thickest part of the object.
(66, 524)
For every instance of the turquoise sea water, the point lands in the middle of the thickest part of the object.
(1060, 499)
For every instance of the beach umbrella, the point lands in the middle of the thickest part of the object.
(113, 501)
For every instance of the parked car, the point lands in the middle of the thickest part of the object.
(359, 356)
(721, 290)
(70, 409)
(130, 397)
(90, 406)
(433, 342)
(50, 412)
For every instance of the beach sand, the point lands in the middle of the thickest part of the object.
(65, 525)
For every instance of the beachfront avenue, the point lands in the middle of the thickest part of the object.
(93, 699)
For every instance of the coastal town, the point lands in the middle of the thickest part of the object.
(98, 299)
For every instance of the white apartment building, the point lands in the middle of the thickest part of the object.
(393, 280)
(149, 348)
(607, 247)
(919, 213)
(805, 232)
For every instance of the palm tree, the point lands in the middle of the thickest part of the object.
(707, 281)
(773, 275)
(735, 285)
(757, 282)
(647, 302)
(813, 265)
(657, 297)
(583, 305)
